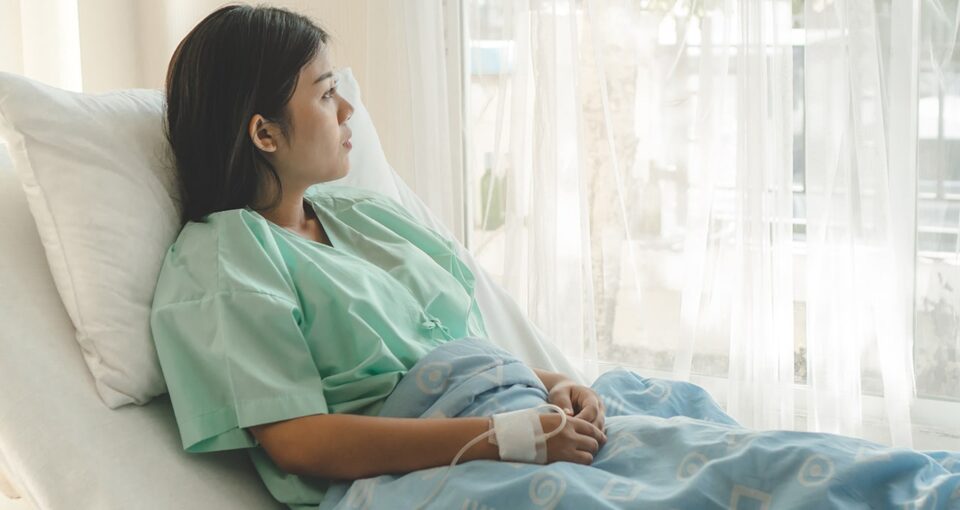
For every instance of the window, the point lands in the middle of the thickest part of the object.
(664, 187)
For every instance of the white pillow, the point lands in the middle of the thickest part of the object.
(92, 168)
(97, 175)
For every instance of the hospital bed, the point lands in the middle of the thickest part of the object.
(61, 447)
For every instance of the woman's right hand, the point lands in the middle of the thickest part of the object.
(578, 441)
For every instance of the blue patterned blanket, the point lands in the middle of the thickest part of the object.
(669, 446)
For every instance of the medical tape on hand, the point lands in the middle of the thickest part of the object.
(514, 435)
(519, 436)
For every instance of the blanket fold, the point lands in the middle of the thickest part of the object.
(669, 446)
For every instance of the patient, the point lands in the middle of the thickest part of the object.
(334, 337)
(286, 313)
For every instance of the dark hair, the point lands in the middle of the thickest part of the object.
(239, 61)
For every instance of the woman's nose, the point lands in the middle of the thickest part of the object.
(346, 110)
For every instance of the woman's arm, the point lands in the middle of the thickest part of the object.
(349, 446)
(550, 379)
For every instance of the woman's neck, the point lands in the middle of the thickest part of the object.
(292, 212)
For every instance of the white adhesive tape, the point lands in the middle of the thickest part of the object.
(519, 436)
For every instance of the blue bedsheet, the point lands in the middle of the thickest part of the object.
(669, 446)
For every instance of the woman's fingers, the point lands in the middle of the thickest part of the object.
(588, 413)
(582, 457)
(593, 415)
(591, 408)
(588, 444)
(601, 416)
(562, 400)
(590, 430)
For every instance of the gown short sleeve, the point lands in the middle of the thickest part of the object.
(235, 359)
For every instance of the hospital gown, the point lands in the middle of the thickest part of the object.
(255, 324)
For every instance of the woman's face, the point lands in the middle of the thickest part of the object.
(318, 142)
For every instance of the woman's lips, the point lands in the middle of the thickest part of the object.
(347, 144)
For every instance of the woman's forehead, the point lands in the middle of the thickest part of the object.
(321, 64)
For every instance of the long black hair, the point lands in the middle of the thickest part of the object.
(239, 61)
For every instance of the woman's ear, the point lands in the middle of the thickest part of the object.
(263, 133)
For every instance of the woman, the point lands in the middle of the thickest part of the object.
(284, 315)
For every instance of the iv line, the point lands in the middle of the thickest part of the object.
(544, 436)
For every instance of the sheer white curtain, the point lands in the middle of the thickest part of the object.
(409, 97)
(546, 267)
(41, 39)
(94, 45)
(723, 192)
(854, 280)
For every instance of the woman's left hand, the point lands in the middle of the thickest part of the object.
(578, 401)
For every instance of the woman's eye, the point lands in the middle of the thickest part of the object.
(330, 93)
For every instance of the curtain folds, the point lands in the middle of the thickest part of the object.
(722, 191)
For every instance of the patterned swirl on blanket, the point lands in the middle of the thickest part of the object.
(658, 391)
(816, 470)
(546, 489)
(690, 465)
(432, 378)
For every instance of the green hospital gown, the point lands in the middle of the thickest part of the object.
(255, 324)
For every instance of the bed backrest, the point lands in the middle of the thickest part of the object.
(64, 448)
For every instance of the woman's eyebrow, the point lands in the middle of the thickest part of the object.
(323, 76)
